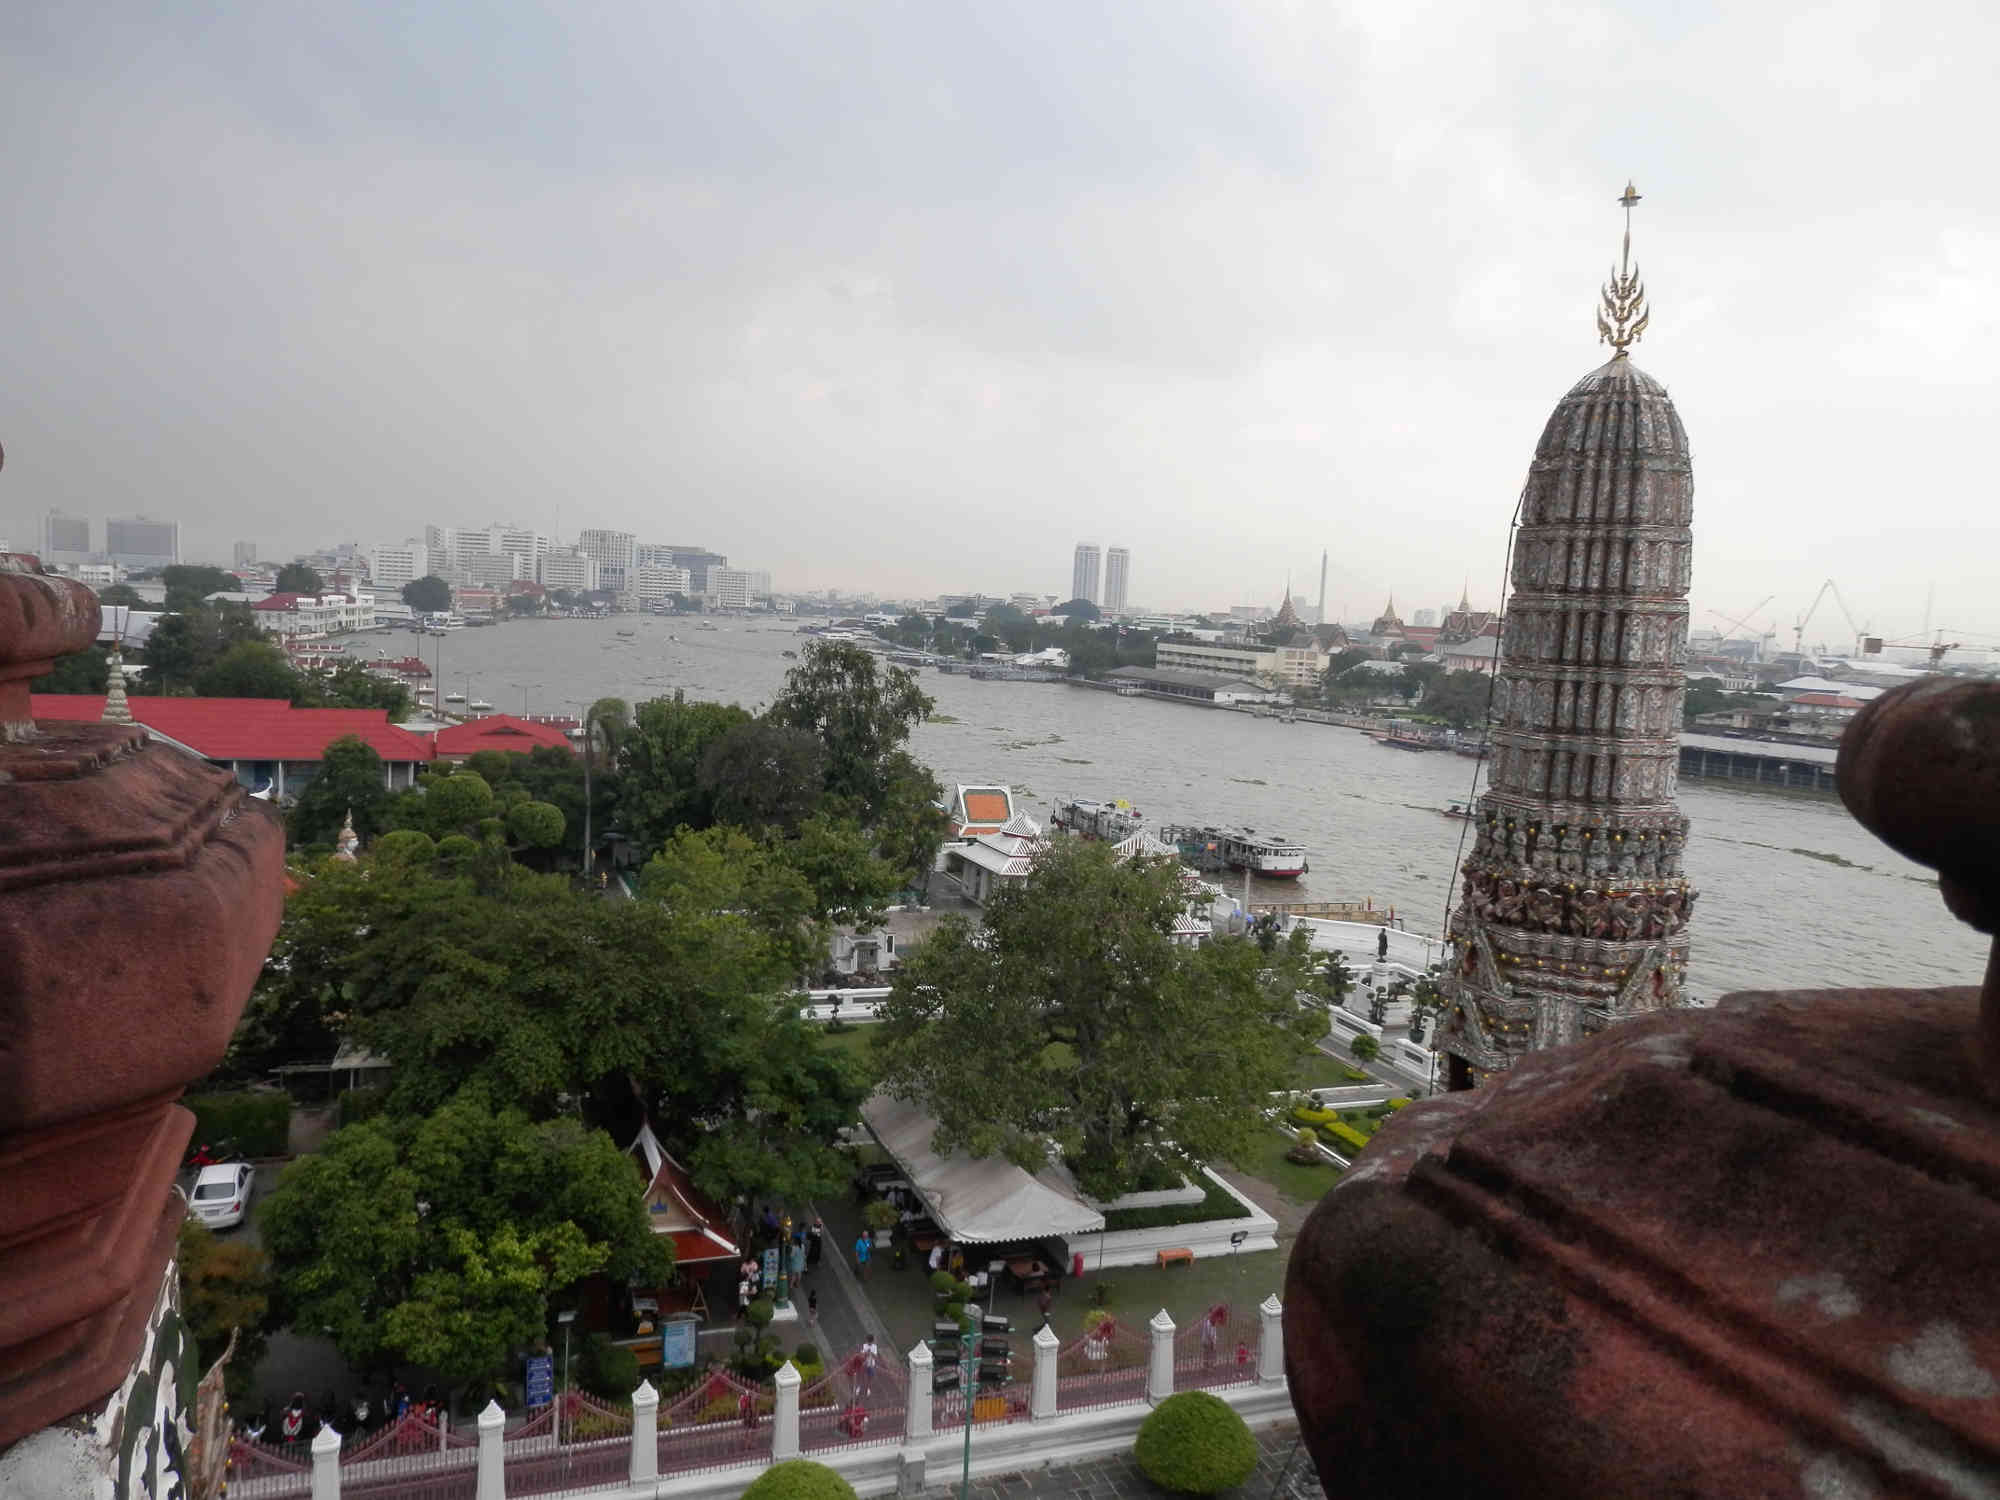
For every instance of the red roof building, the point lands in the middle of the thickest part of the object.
(675, 1207)
(501, 732)
(266, 742)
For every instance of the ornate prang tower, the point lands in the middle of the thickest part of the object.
(1573, 911)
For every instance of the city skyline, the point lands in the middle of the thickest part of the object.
(1299, 282)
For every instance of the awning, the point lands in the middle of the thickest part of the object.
(982, 1202)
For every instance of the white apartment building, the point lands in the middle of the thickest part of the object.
(612, 551)
(389, 568)
(490, 570)
(729, 588)
(1083, 573)
(1117, 574)
(567, 568)
(1283, 666)
(656, 585)
(311, 616)
(531, 546)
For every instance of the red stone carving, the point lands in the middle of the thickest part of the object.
(1754, 1251)
(139, 892)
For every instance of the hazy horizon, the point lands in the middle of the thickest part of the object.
(913, 299)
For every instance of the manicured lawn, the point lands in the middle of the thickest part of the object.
(858, 1042)
(1303, 1185)
(1319, 1071)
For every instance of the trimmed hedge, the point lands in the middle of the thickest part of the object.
(258, 1121)
(1345, 1133)
(1218, 1203)
(799, 1479)
(1195, 1444)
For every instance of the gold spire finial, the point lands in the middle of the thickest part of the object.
(1624, 314)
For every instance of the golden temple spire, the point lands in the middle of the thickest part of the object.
(1624, 314)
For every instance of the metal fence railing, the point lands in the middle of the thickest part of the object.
(1105, 1367)
(1218, 1349)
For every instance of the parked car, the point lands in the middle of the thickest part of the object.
(221, 1194)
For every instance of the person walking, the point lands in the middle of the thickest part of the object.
(864, 1246)
(1208, 1337)
(813, 1237)
(870, 1357)
(812, 1306)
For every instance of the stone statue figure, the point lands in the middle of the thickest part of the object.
(1588, 917)
(1670, 917)
(1569, 852)
(1517, 843)
(1545, 909)
(1596, 852)
(1508, 900)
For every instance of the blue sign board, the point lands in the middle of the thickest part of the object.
(771, 1271)
(540, 1379)
(677, 1344)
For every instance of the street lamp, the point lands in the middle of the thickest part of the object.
(565, 1317)
(968, 1390)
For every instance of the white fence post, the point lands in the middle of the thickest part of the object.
(326, 1465)
(1160, 1373)
(1271, 1339)
(645, 1434)
(492, 1483)
(1042, 1399)
(785, 1433)
(917, 1411)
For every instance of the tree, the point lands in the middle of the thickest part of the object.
(188, 584)
(120, 593)
(612, 719)
(249, 669)
(88, 671)
(860, 711)
(1459, 698)
(351, 685)
(1336, 979)
(298, 578)
(850, 882)
(1365, 1048)
(225, 1287)
(699, 875)
(438, 1241)
(535, 825)
(429, 595)
(660, 767)
(1080, 609)
(349, 779)
(1074, 1023)
(763, 775)
(184, 642)
(909, 825)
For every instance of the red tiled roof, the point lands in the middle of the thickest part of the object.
(499, 732)
(248, 728)
(1826, 700)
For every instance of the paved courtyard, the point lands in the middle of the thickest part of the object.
(1284, 1459)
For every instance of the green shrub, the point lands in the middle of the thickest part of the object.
(259, 1121)
(944, 1283)
(356, 1105)
(1195, 1444)
(1395, 1104)
(806, 1354)
(799, 1479)
(1218, 1204)
(760, 1312)
(1346, 1134)
(606, 1369)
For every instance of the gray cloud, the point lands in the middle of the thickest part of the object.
(916, 296)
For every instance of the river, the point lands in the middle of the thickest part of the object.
(1795, 893)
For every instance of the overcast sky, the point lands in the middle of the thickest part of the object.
(914, 297)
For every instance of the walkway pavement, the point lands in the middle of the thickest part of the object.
(1283, 1460)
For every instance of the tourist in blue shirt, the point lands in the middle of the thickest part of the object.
(863, 1247)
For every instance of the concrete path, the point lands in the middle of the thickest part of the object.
(1282, 1456)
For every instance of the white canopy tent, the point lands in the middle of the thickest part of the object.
(982, 1202)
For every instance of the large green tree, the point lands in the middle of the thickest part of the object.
(1073, 1023)
(186, 641)
(120, 593)
(660, 787)
(188, 584)
(862, 712)
(225, 1286)
(249, 669)
(438, 1241)
(763, 775)
(349, 778)
(298, 578)
(88, 671)
(429, 595)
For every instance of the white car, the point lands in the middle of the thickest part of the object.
(221, 1194)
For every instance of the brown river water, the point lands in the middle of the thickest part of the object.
(1795, 893)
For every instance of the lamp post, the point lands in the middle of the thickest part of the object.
(565, 1317)
(968, 1389)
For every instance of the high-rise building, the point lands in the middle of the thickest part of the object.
(389, 568)
(1117, 574)
(612, 551)
(531, 546)
(656, 585)
(1573, 909)
(569, 568)
(65, 538)
(729, 587)
(1083, 573)
(697, 560)
(140, 542)
(243, 555)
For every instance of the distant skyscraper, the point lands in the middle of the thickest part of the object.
(245, 555)
(139, 542)
(1117, 576)
(65, 538)
(613, 553)
(389, 568)
(1083, 573)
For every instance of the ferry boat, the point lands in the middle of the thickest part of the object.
(454, 697)
(1112, 822)
(480, 706)
(1239, 849)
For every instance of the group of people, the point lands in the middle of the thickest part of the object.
(799, 1248)
(298, 1421)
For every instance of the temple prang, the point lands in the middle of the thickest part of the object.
(1573, 904)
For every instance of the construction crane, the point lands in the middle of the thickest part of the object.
(1799, 630)
(1739, 622)
(1938, 647)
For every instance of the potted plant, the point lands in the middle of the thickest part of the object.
(1097, 1329)
(881, 1216)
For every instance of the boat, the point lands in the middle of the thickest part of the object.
(480, 706)
(1208, 848)
(1457, 810)
(1112, 822)
(628, 632)
(791, 656)
(454, 697)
